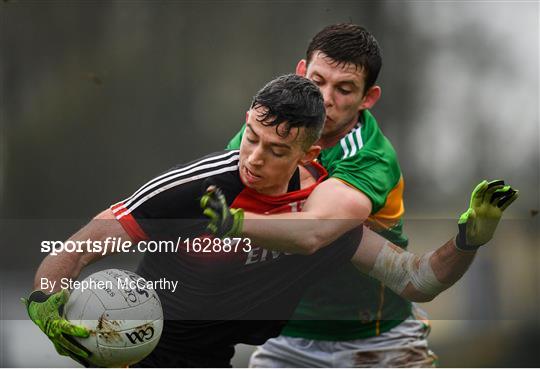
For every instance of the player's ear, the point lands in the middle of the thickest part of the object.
(247, 116)
(301, 68)
(372, 95)
(311, 154)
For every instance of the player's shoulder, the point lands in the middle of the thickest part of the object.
(364, 142)
(213, 163)
(176, 192)
(363, 155)
(218, 168)
(193, 177)
(373, 138)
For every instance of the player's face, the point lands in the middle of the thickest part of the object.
(268, 160)
(342, 87)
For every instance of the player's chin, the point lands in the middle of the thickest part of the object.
(329, 126)
(328, 122)
(252, 186)
(255, 186)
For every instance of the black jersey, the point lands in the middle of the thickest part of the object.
(223, 298)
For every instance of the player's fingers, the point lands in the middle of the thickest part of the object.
(80, 346)
(499, 193)
(75, 357)
(491, 188)
(204, 201)
(60, 349)
(464, 218)
(63, 352)
(209, 200)
(497, 182)
(478, 194)
(80, 360)
(74, 330)
(216, 194)
(214, 203)
(212, 228)
(61, 297)
(508, 200)
(210, 213)
(223, 202)
(208, 195)
(218, 199)
(471, 216)
(70, 347)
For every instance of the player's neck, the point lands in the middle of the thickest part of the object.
(306, 178)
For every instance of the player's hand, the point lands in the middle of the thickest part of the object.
(224, 221)
(46, 312)
(477, 225)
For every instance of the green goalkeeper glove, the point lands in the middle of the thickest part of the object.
(477, 225)
(224, 221)
(46, 312)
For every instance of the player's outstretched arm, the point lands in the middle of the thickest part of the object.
(332, 209)
(421, 278)
(44, 306)
(70, 264)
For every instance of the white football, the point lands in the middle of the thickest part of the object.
(125, 318)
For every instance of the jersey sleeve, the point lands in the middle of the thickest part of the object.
(234, 143)
(161, 209)
(371, 173)
(366, 160)
(168, 206)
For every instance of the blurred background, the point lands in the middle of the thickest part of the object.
(97, 97)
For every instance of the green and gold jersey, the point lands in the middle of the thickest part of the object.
(349, 305)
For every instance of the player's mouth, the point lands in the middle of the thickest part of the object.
(250, 177)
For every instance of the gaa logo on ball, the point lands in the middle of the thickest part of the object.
(124, 317)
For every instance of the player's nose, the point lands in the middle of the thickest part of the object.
(327, 96)
(256, 157)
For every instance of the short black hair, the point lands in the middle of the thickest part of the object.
(294, 101)
(349, 43)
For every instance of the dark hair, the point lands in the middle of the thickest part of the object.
(294, 101)
(349, 43)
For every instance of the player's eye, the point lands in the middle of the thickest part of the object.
(343, 91)
(250, 140)
(278, 154)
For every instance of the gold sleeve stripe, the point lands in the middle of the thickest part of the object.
(392, 211)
